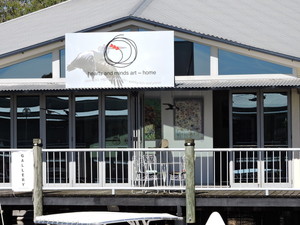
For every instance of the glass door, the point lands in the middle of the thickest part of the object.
(116, 137)
(87, 137)
(245, 135)
(260, 120)
(275, 117)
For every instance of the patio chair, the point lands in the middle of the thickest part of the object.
(178, 175)
(138, 170)
(150, 169)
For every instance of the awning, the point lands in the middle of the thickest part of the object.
(238, 83)
(99, 218)
(201, 83)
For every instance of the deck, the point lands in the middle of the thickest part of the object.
(205, 198)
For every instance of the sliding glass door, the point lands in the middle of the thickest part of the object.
(260, 120)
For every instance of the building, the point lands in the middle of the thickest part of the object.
(237, 66)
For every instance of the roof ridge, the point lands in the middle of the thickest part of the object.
(140, 8)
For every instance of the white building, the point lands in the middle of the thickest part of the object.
(237, 66)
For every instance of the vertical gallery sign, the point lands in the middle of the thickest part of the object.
(120, 59)
(22, 171)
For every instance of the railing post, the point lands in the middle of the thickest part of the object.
(190, 180)
(38, 181)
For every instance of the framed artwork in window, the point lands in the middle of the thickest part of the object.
(188, 119)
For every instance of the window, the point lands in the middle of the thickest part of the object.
(152, 119)
(28, 120)
(86, 115)
(191, 58)
(231, 64)
(62, 63)
(57, 121)
(39, 67)
(5, 122)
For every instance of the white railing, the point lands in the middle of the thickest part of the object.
(161, 169)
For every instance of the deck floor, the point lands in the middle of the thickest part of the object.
(204, 198)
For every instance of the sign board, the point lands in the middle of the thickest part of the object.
(120, 59)
(22, 171)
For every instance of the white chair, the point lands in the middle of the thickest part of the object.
(150, 169)
(178, 174)
(138, 170)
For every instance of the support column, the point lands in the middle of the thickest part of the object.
(38, 179)
(190, 181)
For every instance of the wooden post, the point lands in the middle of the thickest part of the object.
(38, 181)
(190, 180)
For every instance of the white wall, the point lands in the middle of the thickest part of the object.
(168, 118)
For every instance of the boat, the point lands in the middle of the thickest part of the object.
(102, 218)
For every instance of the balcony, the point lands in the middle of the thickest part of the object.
(164, 169)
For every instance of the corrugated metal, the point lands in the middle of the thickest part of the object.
(185, 84)
(272, 25)
(238, 83)
(34, 86)
(56, 21)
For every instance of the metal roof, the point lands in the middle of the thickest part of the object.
(209, 83)
(271, 26)
(238, 83)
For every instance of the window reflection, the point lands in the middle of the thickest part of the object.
(275, 120)
(4, 139)
(86, 114)
(62, 63)
(28, 118)
(57, 121)
(5, 122)
(231, 63)
(39, 67)
(152, 115)
(87, 136)
(191, 58)
(116, 136)
(244, 120)
(116, 121)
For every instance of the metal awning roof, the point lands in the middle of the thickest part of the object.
(203, 83)
(238, 83)
(97, 218)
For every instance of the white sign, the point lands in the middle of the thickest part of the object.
(22, 171)
(120, 59)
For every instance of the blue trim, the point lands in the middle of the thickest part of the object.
(170, 27)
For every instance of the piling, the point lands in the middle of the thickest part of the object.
(38, 181)
(190, 180)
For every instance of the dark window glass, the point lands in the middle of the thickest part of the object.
(39, 67)
(87, 136)
(244, 121)
(5, 122)
(57, 121)
(275, 120)
(231, 64)
(62, 63)
(5, 139)
(57, 136)
(191, 58)
(86, 115)
(116, 136)
(116, 121)
(28, 120)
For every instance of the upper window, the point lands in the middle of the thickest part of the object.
(62, 63)
(191, 58)
(39, 67)
(231, 64)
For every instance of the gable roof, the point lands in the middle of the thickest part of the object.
(267, 26)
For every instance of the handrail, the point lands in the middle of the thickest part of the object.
(217, 169)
